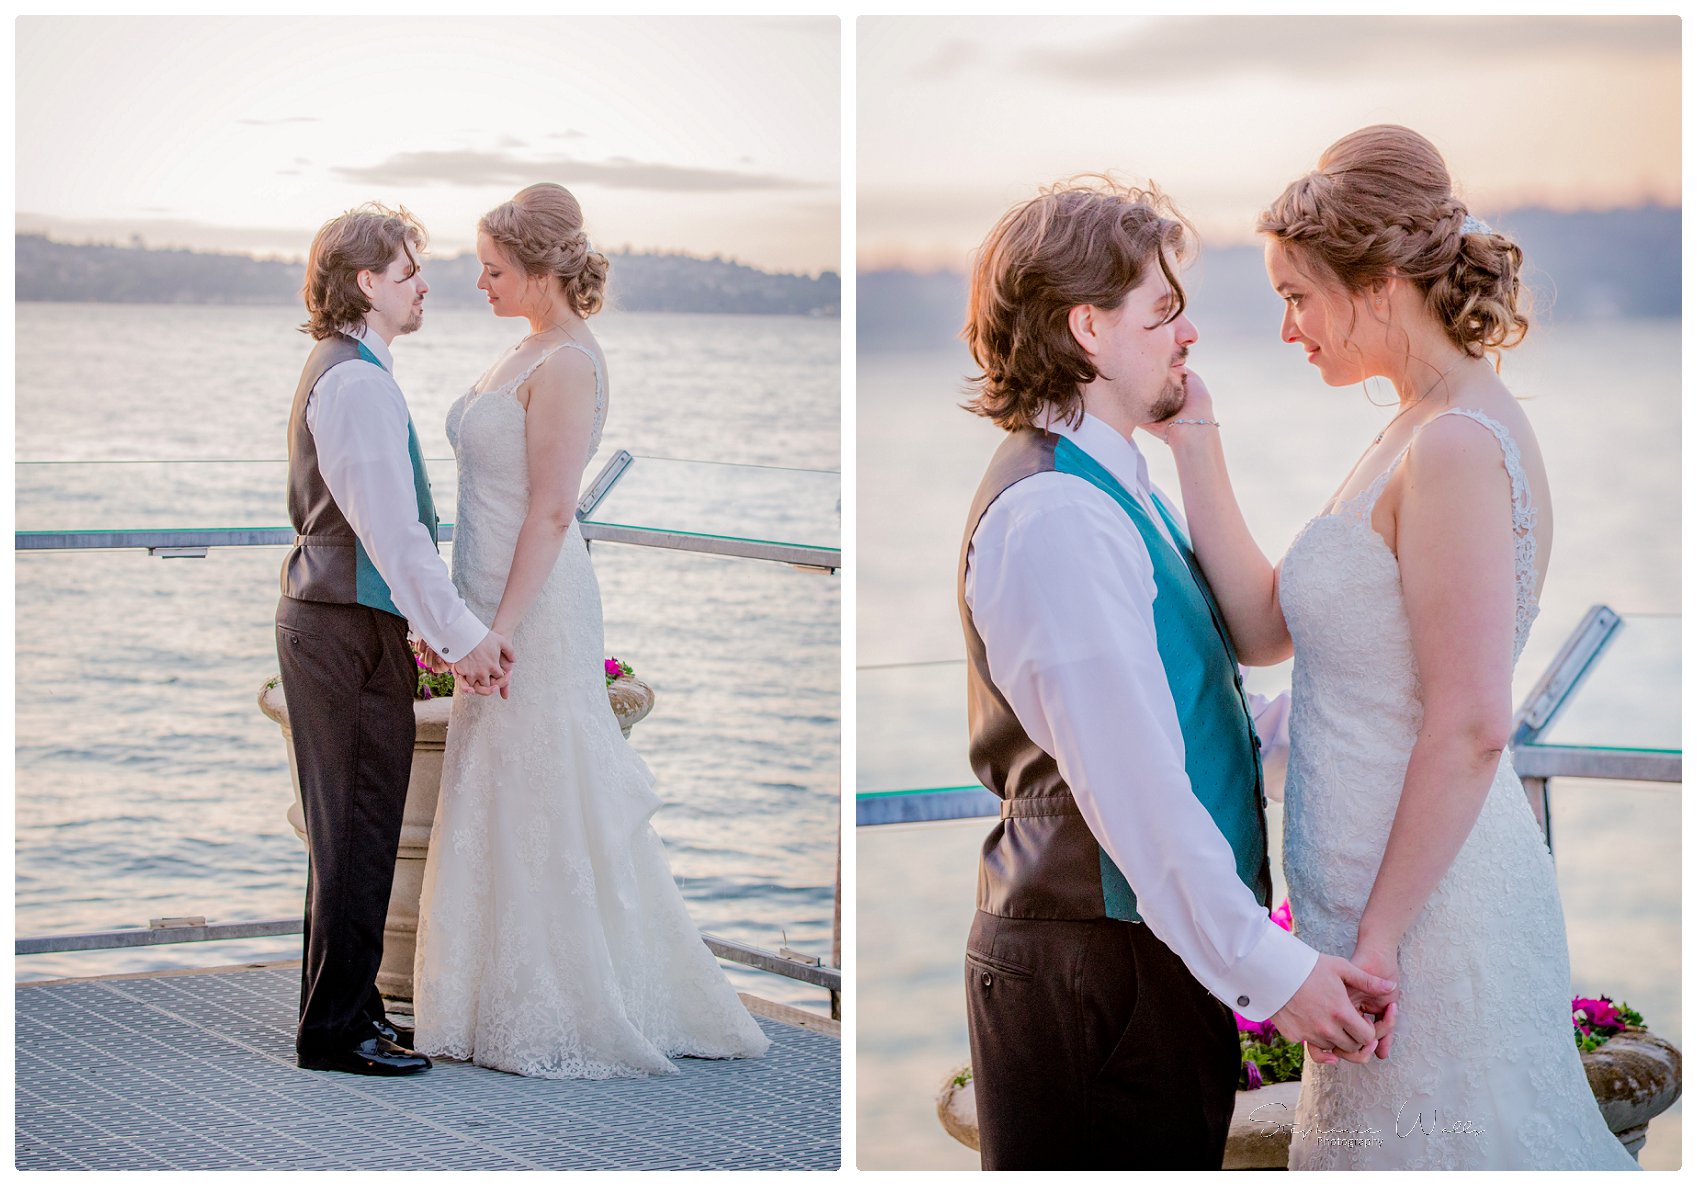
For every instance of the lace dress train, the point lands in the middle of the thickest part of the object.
(552, 939)
(1483, 1072)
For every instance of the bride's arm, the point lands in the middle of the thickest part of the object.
(1244, 581)
(1455, 548)
(558, 421)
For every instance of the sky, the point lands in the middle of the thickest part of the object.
(714, 136)
(959, 118)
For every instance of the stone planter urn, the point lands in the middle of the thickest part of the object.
(1634, 1075)
(631, 699)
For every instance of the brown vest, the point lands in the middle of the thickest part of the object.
(1041, 860)
(322, 564)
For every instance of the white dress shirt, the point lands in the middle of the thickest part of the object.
(358, 419)
(1062, 591)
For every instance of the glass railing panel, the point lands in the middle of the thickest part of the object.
(115, 496)
(765, 504)
(912, 729)
(1629, 696)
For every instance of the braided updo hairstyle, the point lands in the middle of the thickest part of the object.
(1380, 202)
(541, 230)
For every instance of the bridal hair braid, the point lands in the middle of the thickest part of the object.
(541, 230)
(1380, 203)
(365, 238)
(1087, 241)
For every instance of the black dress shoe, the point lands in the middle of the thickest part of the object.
(374, 1056)
(399, 1035)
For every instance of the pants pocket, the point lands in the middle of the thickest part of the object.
(994, 965)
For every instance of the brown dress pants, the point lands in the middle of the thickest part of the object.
(349, 678)
(1093, 1047)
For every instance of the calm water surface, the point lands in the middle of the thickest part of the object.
(1610, 437)
(148, 783)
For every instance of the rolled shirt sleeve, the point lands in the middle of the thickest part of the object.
(358, 420)
(1062, 592)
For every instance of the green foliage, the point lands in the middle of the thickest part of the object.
(434, 683)
(1279, 1061)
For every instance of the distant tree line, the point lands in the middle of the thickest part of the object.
(1586, 265)
(640, 281)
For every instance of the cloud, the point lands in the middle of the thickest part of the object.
(950, 58)
(287, 119)
(494, 168)
(509, 142)
(1188, 50)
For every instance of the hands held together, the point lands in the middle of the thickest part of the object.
(1345, 1009)
(486, 668)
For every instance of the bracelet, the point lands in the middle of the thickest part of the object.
(1214, 423)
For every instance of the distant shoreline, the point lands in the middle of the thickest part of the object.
(50, 272)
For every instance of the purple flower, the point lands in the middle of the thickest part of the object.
(1253, 1074)
(1282, 914)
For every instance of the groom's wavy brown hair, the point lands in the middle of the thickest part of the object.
(364, 238)
(1085, 241)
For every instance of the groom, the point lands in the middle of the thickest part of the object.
(1123, 898)
(364, 565)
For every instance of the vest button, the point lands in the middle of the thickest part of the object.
(986, 981)
(1242, 1001)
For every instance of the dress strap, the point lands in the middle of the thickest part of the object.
(567, 344)
(1524, 518)
(1520, 491)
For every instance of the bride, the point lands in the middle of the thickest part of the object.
(1409, 846)
(552, 940)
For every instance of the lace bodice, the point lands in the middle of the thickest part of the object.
(1483, 1072)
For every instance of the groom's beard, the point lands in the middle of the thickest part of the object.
(1168, 404)
(412, 324)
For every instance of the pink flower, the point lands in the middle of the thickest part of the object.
(1261, 1031)
(1253, 1073)
(1282, 914)
(1589, 1012)
(613, 668)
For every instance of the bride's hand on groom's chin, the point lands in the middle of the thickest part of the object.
(1198, 405)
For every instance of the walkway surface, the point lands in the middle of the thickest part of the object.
(196, 1071)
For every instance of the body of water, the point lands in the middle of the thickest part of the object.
(1605, 402)
(148, 783)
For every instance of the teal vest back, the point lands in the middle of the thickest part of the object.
(1221, 751)
(369, 586)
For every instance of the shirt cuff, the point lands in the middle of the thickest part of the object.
(459, 637)
(1264, 981)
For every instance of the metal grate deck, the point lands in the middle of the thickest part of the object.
(197, 1071)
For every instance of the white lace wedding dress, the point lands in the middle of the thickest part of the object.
(552, 940)
(1483, 1072)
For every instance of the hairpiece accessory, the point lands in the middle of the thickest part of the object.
(1214, 423)
(1476, 226)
